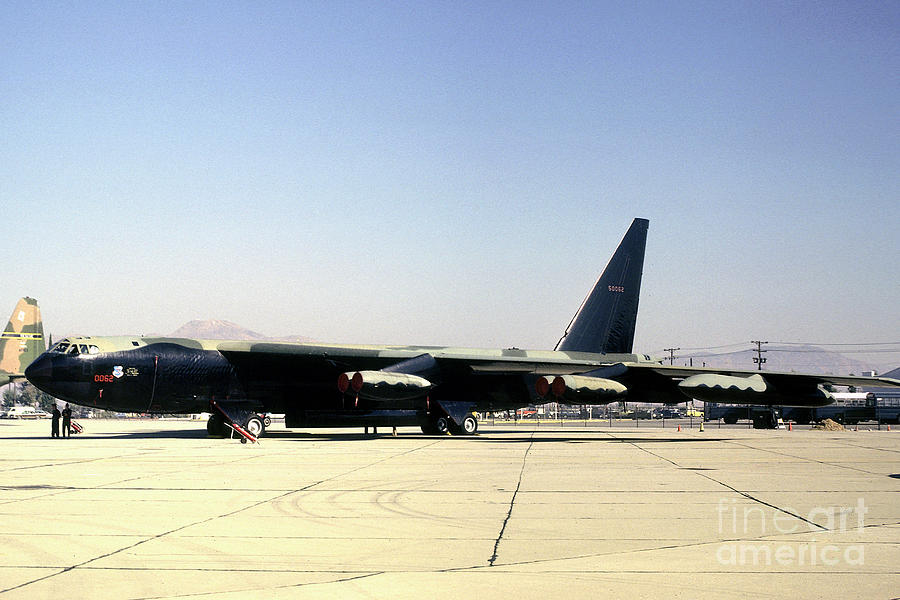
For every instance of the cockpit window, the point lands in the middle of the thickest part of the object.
(74, 349)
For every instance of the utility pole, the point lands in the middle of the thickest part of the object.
(671, 352)
(759, 360)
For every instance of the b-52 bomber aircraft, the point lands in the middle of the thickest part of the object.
(436, 388)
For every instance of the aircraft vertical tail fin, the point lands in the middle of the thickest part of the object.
(607, 317)
(22, 340)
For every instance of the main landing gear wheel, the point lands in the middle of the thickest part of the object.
(255, 426)
(469, 425)
(442, 425)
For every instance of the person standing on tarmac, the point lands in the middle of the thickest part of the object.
(54, 423)
(67, 421)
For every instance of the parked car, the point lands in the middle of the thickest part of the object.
(26, 412)
(668, 413)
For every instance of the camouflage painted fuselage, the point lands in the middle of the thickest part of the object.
(174, 375)
(169, 375)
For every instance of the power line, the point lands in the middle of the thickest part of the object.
(881, 351)
(671, 352)
(814, 344)
(844, 344)
(714, 347)
(759, 360)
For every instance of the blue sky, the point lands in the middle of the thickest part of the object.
(452, 173)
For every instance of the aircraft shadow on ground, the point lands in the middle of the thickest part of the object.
(137, 435)
(601, 438)
(187, 434)
(523, 438)
(299, 436)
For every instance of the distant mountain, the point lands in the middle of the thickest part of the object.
(218, 329)
(291, 338)
(215, 329)
(895, 374)
(801, 359)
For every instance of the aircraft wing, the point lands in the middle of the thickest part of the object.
(513, 377)
(754, 387)
(775, 376)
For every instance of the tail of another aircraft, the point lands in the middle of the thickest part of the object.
(22, 340)
(607, 317)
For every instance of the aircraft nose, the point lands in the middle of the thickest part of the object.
(40, 372)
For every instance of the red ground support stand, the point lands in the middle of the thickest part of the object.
(245, 435)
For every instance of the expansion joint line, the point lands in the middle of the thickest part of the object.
(732, 488)
(512, 503)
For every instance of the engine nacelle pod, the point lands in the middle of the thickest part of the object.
(751, 383)
(580, 389)
(384, 385)
(732, 389)
(714, 387)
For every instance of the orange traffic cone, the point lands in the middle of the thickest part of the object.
(679, 428)
(790, 425)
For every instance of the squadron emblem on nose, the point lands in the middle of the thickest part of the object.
(118, 372)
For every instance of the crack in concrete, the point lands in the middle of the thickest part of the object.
(207, 520)
(512, 503)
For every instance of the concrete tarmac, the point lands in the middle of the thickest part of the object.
(155, 509)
